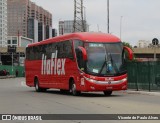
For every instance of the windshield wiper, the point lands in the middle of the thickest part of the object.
(102, 66)
(105, 62)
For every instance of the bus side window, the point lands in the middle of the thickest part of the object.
(67, 49)
(32, 53)
(53, 47)
(78, 43)
(40, 52)
(36, 52)
(49, 50)
(27, 53)
(80, 59)
(57, 47)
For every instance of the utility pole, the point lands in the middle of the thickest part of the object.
(121, 27)
(108, 16)
(78, 24)
(85, 21)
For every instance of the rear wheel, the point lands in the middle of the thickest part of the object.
(107, 93)
(74, 90)
(37, 88)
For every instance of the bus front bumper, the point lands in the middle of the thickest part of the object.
(88, 84)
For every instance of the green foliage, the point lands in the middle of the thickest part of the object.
(127, 44)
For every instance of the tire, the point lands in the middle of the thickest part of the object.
(73, 89)
(37, 88)
(107, 93)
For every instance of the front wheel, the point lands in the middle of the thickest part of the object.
(107, 93)
(73, 89)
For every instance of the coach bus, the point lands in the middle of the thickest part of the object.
(78, 62)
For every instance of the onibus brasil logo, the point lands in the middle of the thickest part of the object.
(53, 66)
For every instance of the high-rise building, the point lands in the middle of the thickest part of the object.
(24, 17)
(54, 32)
(3, 23)
(44, 19)
(66, 27)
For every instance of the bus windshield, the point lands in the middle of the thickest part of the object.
(104, 59)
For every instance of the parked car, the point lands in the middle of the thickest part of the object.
(3, 72)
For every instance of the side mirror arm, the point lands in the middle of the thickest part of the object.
(84, 53)
(130, 52)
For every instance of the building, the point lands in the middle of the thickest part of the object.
(18, 41)
(22, 25)
(33, 29)
(44, 22)
(24, 18)
(54, 32)
(143, 43)
(146, 54)
(3, 23)
(66, 27)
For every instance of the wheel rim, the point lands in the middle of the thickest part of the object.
(36, 86)
(74, 89)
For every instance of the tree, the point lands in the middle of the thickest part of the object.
(127, 44)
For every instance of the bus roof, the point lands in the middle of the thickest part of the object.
(84, 36)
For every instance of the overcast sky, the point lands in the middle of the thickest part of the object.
(140, 21)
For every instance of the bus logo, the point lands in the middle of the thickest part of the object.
(53, 66)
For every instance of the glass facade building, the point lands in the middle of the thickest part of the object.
(24, 16)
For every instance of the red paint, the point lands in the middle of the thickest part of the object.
(33, 68)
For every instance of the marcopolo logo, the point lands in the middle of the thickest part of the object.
(53, 66)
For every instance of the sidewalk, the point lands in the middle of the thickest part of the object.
(143, 92)
(6, 77)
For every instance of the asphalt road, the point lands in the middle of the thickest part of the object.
(17, 98)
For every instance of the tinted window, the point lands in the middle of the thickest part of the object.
(78, 43)
(64, 50)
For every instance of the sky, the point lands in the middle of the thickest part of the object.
(139, 19)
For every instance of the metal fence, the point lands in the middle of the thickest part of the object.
(144, 75)
(12, 70)
(141, 75)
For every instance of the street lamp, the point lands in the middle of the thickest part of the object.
(121, 27)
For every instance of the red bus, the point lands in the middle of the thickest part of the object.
(78, 62)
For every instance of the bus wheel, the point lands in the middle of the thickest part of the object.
(107, 93)
(37, 88)
(73, 90)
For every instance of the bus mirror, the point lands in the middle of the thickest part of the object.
(129, 51)
(84, 53)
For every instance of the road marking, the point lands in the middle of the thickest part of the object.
(23, 84)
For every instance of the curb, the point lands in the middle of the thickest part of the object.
(143, 93)
(6, 77)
